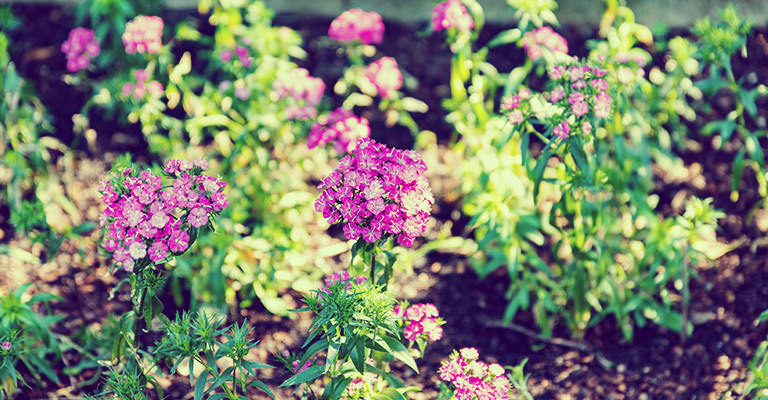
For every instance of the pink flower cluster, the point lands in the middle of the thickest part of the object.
(143, 34)
(341, 127)
(242, 55)
(6, 346)
(304, 90)
(579, 90)
(146, 221)
(473, 379)
(543, 38)
(385, 76)
(421, 321)
(451, 14)
(358, 388)
(80, 47)
(377, 192)
(356, 24)
(296, 368)
(630, 66)
(342, 277)
(141, 88)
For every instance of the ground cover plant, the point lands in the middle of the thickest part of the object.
(210, 205)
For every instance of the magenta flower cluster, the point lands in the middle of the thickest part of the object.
(378, 192)
(304, 91)
(357, 25)
(142, 88)
(452, 14)
(342, 128)
(543, 39)
(144, 34)
(241, 53)
(80, 47)
(6, 346)
(342, 277)
(146, 221)
(420, 321)
(579, 89)
(297, 369)
(385, 75)
(473, 379)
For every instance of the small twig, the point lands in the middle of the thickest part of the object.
(527, 332)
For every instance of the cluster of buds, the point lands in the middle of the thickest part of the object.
(142, 87)
(144, 34)
(357, 25)
(241, 53)
(385, 75)
(579, 96)
(304, 91)
(543, 39)
(340, 127)
(378, 192)
(451, 14)
(360, 388)
(80, 47)
(342, 277)
(146, 222)
(420, 321)
(474, 379)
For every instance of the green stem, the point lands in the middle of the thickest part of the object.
(373, 267)
(215, 376)
(139, 317)
(686, 294)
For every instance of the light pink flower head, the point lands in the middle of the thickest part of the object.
(451, 14)
(356, 24)
(143, 34)
(543, 38)
(385, 75)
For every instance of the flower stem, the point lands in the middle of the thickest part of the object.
(139, 315)
(373, 267)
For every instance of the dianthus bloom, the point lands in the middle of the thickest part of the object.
(542, 38)
(385, 76)
(6, 346)
(420, 321)
(304, 91)
(376, 192)
(341, 127)
(242, 55)
(296, 368)
(142, 87)
(143, 34)
(356, 24)
(145, 220)
(451, 14)
(80, 47)
(342, 277)
(474, 379)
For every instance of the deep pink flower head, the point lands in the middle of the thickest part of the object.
(80, 47)
(420, 321)
(342, 127)
(303, 90)
(356, 24)
(6, 346)
(296, 368)
(451, 14)
(473, 379)
(145, 219)
(385, 76)
(542, 38)
(144, 34)
(562, 130)
(376, 192)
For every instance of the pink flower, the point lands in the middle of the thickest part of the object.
(178, 241)
(305, 92)
(127, 89)
(197, 217)
(543, 38)
(516, 117)
(557, 94)
(451, 14)
(79, 48)
(226, 55)
(413, 330)
(356, 24)
(137, 250)
(342, 128)
(385, 76)
(6, 346)
(296, 368)
(141, 75)
(562, 130)
(158, 251)
(579, 108)
(242, 92)
(586, 127)
(469, 353)
(510, 102)
(143, 35)
(155, 89)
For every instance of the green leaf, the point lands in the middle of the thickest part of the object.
(579, 157)
(313, 349)
(397, 350)
(263, 387)
(390, 394)
(358, 356)
(738, 170)
(308, 375)
(200, 385)
(762, 318)
(335, 387)
(748, 100)
(506, 37)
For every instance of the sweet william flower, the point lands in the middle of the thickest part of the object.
(543, 38)
(357, 25)
(385, 75)
(197, 217)
(6, 346)
(451, 14)
(562, 130)
(143, 35)
(79, 48)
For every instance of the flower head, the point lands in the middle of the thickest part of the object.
(143, 34)
(80, 47)
(6, 346)
(385, 76)
(451, 14)
(341, 127)
(304, 91)
(544, 38)
(378, 192)
(356, 24)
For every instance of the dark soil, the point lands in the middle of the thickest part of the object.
(726, 299)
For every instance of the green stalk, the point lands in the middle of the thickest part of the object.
(139, 315)
(373, 267)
